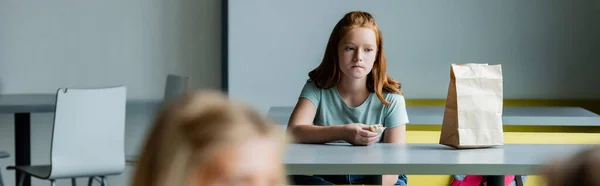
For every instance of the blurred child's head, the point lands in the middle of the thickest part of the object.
(355, 52)
(204, 139)
(580, 169)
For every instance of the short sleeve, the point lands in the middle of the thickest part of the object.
(311, 92)
(396, 112)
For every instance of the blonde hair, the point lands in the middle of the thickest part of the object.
(581, 169)
(188, 129)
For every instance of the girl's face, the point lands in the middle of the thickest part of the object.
(357, 52)
(255, 162)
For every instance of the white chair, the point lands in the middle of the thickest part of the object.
(3, 155)
(175, 86)
(88, 136)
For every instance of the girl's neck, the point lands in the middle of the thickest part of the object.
(353, 86)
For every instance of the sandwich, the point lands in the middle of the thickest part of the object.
(379, 128)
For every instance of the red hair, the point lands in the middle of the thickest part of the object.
(328, 73)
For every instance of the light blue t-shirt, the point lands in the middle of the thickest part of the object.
(332, 110)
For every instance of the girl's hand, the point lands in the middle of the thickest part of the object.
(359, 134)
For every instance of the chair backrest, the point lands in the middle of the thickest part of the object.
(176, 86)
(89, 132)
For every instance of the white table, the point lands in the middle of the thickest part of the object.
(437, 159)
(22, 105)
(512, 115)
(422, 159)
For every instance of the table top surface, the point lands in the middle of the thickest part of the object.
(32, 103)
(426, 159)
(512, 115)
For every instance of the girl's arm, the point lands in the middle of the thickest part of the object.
(302, 128)
(393, 135)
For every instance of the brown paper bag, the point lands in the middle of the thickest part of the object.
(473, 114)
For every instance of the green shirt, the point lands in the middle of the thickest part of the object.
(332, 110)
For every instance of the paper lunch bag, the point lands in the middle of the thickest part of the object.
(473, 113)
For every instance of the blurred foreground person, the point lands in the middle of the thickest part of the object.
(581, 169)
(204, 139)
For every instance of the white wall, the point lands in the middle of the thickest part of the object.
(69, 43)
(546, 47)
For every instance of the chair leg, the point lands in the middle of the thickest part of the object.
(1, 181)
(73, 182)
(104, 182)
(90, 181)
(21, 179)
(53, 182)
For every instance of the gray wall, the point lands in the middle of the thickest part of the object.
(548, 48)
(49, 44)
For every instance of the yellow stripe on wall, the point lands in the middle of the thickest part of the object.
(516, 137)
